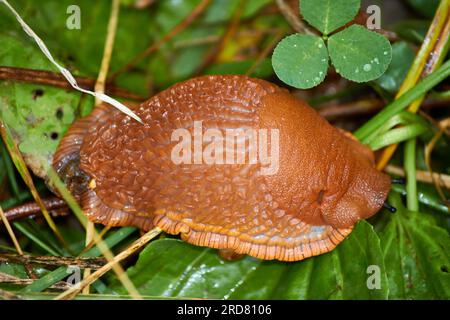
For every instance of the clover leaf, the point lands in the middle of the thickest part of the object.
(358, 54)
(301, 60)
(329, 15)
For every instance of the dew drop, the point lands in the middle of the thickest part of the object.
(377, 61)
(316, 79)
(367, 67)
(357, 70)
(320, 45)
(385, 53)
(320, 73)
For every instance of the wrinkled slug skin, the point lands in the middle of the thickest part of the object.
(325, 183)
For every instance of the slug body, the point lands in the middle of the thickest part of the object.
(324, 183)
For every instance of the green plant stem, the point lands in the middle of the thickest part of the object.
(385, 134)
(404, 101)
(426, 197)
(411, 180)
(398, 135)
(441, 95)
(61, 272)
(35, 239)
(10, 172)
(2, 171)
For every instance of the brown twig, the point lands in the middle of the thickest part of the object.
(83, 263)
(445, 125)
(422, 176)
(391, 35)
(267, 50)
(155, 46)
(57, 80)
(357, 108)
(293, 18)
(31, 208)
(9, 295)
(6, 278)
(367, 107)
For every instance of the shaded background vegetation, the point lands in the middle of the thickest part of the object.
(229, 37)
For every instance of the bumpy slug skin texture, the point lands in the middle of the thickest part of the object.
(326, 180)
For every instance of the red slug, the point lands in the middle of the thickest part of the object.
(125, 173)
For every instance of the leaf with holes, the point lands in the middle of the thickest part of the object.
(38, 115)
(417, 255)
(360, 55)
(329, 15)
(301, 60)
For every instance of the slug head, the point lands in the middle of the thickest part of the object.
(68, 169)
(325, 174)
(366, 193)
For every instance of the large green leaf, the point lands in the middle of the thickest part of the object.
(417, 255)
(172, 268)
(82, 48)
(402, 58)
(37, 115)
